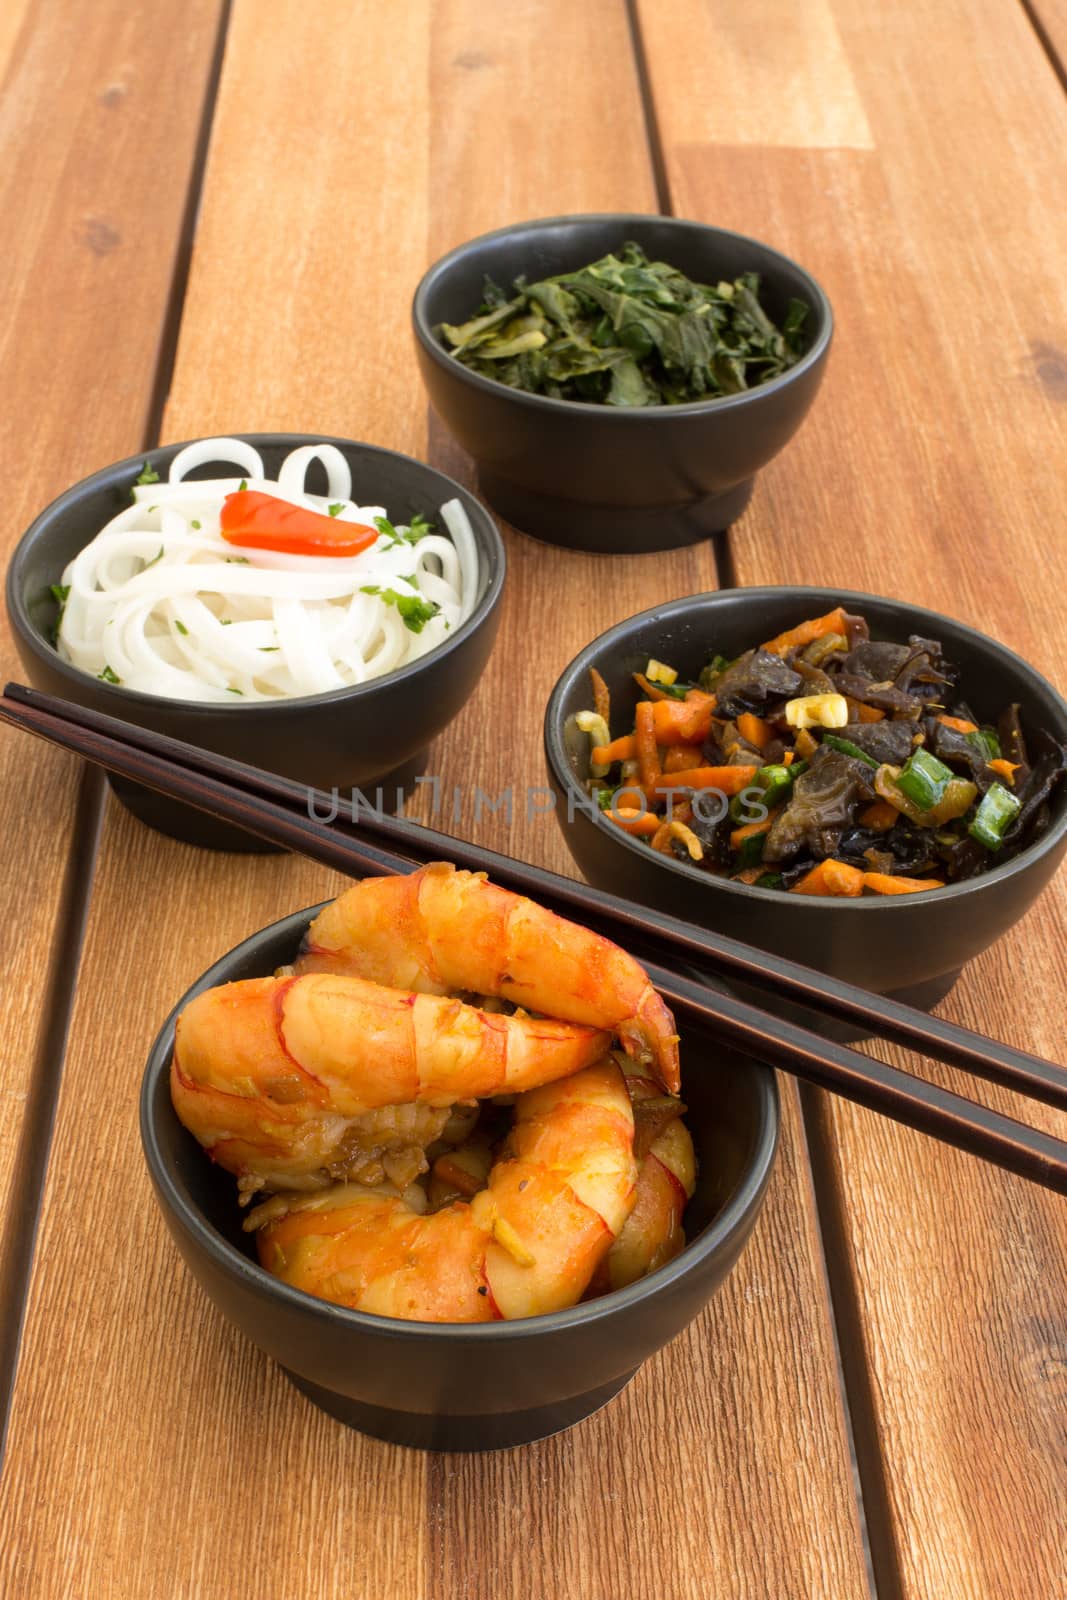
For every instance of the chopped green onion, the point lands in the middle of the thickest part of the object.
(59, 593)
(714, 669)
(195, 524)
(108, 676)
(769, 880)
(776, 781)
(335, 510)
(923, 779)
(153, 561)
(986, 743)
(241, 487)
(603, 798)
(847, 748)
(750, 853)
(231, 690)
(148, 474)
(994, 816)
(180, 626)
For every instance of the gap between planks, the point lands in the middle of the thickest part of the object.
(18, 1237)
(35, 1136)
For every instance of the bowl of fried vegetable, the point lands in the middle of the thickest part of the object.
(868, 788)
(448, 1384)
(619, 379)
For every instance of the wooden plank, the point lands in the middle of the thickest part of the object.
(743, 1415)
(92, 195)
(931, 469)
(1049, 19)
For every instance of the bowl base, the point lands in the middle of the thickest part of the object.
(190, 826)
(613, 530)
(419, 1431)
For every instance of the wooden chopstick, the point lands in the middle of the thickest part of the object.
(935, 1037)
(1002, 1140)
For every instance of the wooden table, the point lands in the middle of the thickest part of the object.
(214, 215)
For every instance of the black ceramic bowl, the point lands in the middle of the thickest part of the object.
(452, 1386)
(375, 733)
(597, 477)
(912, 945)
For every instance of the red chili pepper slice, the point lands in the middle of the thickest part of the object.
(263, 522)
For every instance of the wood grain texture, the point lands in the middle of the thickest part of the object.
(740, 1422)
(1049, 18)
(932, 468)
(97, 156)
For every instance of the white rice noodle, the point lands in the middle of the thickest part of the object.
(162, 602)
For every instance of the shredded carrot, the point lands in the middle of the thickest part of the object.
(649, 769)
(787, 759)
(650, 689)
(748, 874)
(605, 755)
(739, 835)
(805, 745)
(681, 721)
(860, 711)
(754, 729)
(450, 1171)
(633, 821)
(601, 697)
(888, 883)
(808, 632)
(682, 757)
(879, 814)
(960, 724)
(728, 780)
(831, 877)
(1006, 769)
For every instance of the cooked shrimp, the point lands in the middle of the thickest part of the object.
(527, 1243)
(440, 930)
(652, 1234)
(276, 1076)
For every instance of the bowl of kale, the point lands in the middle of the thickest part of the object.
(620, 379)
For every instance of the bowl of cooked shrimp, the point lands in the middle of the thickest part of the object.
(444, 1157)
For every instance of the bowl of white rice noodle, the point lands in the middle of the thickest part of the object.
(332, 652)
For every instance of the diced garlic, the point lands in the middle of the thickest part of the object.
(592, 723)
(659, 672)
(817, 711)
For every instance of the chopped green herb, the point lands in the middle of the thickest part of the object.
(270, 647)
(231, 690)
(603, 798)
(225, 622)
(195, 524)
(59, 593)
(237, 561)
(335, 510)
(153, 561)
(108, 676)
(153, 508)
(148, 475)
(386, 529)
(241, 487)
(181, 627)
(769, 880)
(415, 612)
(418, 528)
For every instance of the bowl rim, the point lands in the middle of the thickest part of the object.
(622, 414)
(854, 600)
(22, 623)
(720, 1231)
